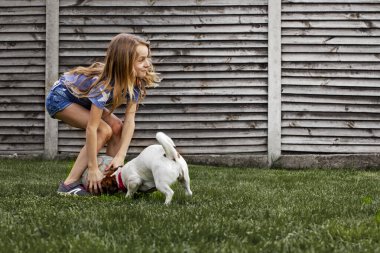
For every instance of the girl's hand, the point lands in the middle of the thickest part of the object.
(116, 162)
(94, 178)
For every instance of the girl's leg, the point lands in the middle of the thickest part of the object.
(116, 125)
(77, 116)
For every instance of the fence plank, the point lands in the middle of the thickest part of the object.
(331, 16)
(22, 3)
(352, 124)
(120, 3)
(331, 40)
(330, 90)
(182, 142)
(332, 24)
(71, 132)
(357, 82)
(188, 150)
(291, 107)
(330, 141)
(331, 115)
(318, 149)
(334, 6)
(339, 132)
(274, 81)
(162, 11)
(52, 62)
(257, 28)
(330, 32)
(178, 44)
(302, 48)
(172, 37)
(160, 21)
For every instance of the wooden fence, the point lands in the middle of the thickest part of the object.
(243, 81)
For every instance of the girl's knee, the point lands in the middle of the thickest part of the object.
(105, 131)
(117, 127)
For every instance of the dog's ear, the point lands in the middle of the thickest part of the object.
(111, 170)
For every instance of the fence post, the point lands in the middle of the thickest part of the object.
(274, 80)
(51, 73)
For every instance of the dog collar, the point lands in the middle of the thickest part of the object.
(120, 183)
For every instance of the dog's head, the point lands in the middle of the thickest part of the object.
(109, 183)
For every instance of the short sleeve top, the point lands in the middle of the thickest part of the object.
(98, 95)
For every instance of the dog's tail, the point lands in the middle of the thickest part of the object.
(168, 146)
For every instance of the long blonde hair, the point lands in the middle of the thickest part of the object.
(118, 70)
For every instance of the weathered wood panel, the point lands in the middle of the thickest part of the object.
(177, 133)
(22, 75)
(164, 10)
(329, 82)
(331, 32)
(310, 107)
(331, 115)
(183, 142)
(226, 37)
(212, 56)
(337, 148)
(186, 150)
(158, 21)
(332, 65)
(331, 76)
(330, 6)
(339, 132)
(305, 140)
(332, 16)
(165, 3)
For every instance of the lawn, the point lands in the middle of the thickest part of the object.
(232, 210)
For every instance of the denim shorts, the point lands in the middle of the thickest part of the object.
(60, 97)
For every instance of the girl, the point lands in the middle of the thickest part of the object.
(80, 98)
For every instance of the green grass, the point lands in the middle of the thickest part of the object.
(232, 210)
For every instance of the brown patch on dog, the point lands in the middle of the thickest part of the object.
(109, 183)
(178, 155)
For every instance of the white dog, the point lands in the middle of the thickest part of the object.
(156, 167)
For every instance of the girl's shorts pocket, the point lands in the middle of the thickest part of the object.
(57, 100)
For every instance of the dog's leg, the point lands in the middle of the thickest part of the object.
(186, 184)
(185, 181)
(132, 186)
(165, 189)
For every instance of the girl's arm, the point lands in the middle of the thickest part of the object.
(126, 135)
(94, 175)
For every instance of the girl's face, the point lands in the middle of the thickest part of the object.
(141, 64)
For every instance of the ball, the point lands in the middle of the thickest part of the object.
(103, 162)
